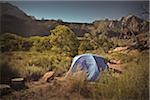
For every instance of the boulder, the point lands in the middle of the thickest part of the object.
(115, 61)
(47, 76)
(120, 49)
(134, 53)
(116, 68)
(60, 78)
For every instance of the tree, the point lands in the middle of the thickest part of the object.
(64, 41)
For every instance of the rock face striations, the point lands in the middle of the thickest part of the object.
(14, 20)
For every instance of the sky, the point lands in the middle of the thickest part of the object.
(81, 11)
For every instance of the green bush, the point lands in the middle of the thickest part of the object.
(40, 43)
(64, 40)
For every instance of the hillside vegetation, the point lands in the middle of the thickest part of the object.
(31, 57)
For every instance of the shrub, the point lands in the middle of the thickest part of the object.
(64, 40)
(40, 43)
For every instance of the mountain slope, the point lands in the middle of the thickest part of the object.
(14, 20)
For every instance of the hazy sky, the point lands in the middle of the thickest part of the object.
(80, 11)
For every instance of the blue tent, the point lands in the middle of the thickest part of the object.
(94, 64)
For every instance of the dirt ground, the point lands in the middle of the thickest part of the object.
(53, 90)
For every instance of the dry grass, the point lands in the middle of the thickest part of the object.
(133, 84)
(32, 65)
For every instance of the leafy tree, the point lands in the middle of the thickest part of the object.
(64, 41)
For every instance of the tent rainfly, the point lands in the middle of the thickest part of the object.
(93, 64)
